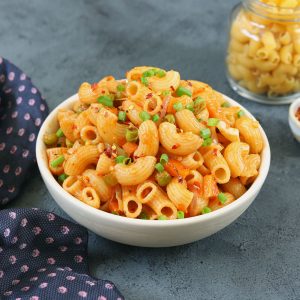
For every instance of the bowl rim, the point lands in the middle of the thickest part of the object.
(240, 202)
(293, 107)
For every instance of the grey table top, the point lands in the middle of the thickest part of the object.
(63, 43)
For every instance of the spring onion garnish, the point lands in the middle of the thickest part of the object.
(180, 214)
(122, 116)
(222, 198)
(160, 73)
(159, 167)
(164, 158)
(106, 100)
(163, 178)
(212, 122)
(199, 100)
(144, 80)
(131, 135)
(61, 178)
(155, 118)
(59, 133)
(225, 104)
(205, 133)
(178, 106)
(162, 217)
(240, 113)
(57, 162)
(50, 138)
(143, 216)
(120, 88)
(144, 115)
(206, 210)
(190, 106)
(120, 159)
(183, 91)
(199, 104)
(170, 118)
(207, 142)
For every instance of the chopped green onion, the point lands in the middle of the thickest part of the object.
(155, 118)
(164, 158)
(178, 106)
(222, 198)
(162, 217)
(144, 80)
(143, 216)
(163, 178)
(120, 159)
(69, 144)
(190, 106)
(225, 104)
(165, 93)
(144, 115)
(205, 133)
(120, 88)
(127, 161)
(199, 104)
(59, 133)
(61, 178)
(57, 162)
(122, 116)
(50, 138)
(160, 73)
(212, 122)
(206, 210)
(149, 73)
(159, 167)
(180, 214)
(240, 113)
(183, 91)
(110, 179)
(131, 135)
(170, 118)
(106, 100)
(207, 142)
(199, 100)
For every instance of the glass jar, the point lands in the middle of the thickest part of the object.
(263, 57)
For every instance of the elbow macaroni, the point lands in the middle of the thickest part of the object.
(123, 156)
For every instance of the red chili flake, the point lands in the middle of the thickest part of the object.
(189, 83)
(74, 127)
(180, 179)
(108, 151)
(103, 92)
(172, 88)
(175, 146)
(148, 96)
(135, 157)
(94, 86)
(215, 152)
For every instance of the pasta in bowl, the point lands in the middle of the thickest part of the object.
(154, 154)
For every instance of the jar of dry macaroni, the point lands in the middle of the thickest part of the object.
(263, 58)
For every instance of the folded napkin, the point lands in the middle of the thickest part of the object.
(22, 111)
(43, 256)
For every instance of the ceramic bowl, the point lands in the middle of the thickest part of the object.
(145, 233)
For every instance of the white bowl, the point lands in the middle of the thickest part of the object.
(145, 233)
(294, 123)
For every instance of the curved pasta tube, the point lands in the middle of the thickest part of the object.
(193, 177)
(193, 161)
(137, 92)
(136, 172)
(90, 135)
(234, 187)
(84, 156)
(146, 191)
(178, 143)
(87, 94)
(172, 79)
(250, 131)
(90, 197)
(67, 125)
(131, 206)
(148, 140)
(133, 112)
(152, 104)
(210, 187)
(252, 163)
(234, 154)
(136, 72)
(187, 121)
(52, 154)
(199, 201)
(230, 133)
(109, 129)
(92, 112)
(91, 178)
(105, 164)
(74, 186)
(179, 194)
(215, 204)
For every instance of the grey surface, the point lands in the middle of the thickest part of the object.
(62, 43)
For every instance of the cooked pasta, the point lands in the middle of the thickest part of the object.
(155, 146)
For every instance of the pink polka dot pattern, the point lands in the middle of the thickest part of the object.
(36, 268)
(21, 115)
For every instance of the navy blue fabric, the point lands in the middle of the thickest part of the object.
(43, 256)
(22, 111)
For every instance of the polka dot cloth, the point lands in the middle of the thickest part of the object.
(22, 111)
(43, 256)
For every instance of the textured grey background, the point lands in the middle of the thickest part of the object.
(62, 43)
